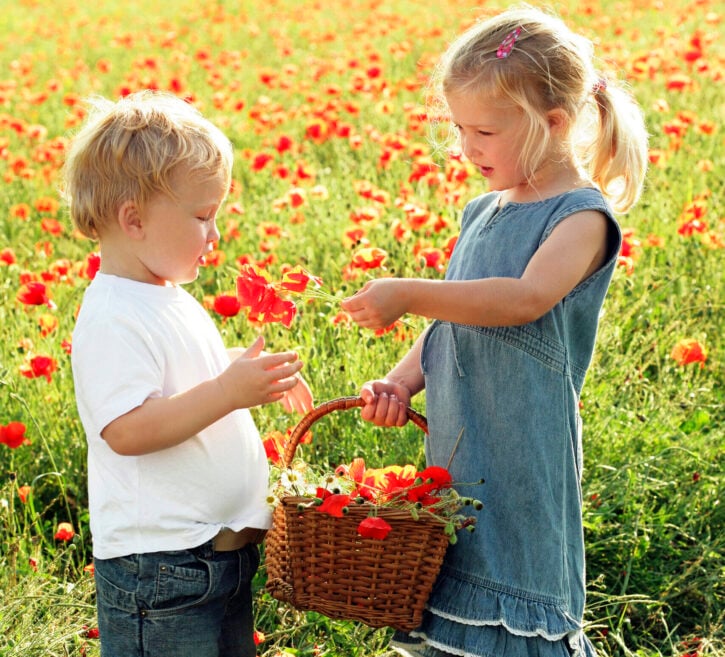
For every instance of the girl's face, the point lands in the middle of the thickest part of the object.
(492, 135)
(179, 233)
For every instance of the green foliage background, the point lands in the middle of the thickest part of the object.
(654, 439)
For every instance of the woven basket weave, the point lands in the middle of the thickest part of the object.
(317, 562)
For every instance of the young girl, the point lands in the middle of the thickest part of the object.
(514, 327)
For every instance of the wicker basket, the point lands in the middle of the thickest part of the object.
(317, 562)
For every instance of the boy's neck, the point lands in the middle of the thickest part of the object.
(117, 262)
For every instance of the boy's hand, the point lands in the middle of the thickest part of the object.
(254, 379)
(299, 398)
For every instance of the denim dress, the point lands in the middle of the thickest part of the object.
(516, 586)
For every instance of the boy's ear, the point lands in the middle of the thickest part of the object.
(129, 220)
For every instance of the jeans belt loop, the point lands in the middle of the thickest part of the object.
(228, 540)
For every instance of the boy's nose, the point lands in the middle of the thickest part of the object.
(213, 235)
(468, 147)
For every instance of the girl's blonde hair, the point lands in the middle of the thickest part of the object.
(132, 149)
(550, 67)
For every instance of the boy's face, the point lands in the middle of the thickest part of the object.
(179, 233)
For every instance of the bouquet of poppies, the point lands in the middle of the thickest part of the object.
(420, 493)
(359, 543)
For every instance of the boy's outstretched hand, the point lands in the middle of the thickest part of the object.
(254, 378)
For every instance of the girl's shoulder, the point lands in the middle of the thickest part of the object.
(588, 197)
(482, 202)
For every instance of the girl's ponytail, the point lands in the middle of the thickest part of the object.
(618, 157)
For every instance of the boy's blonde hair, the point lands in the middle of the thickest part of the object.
(132, 149)
(550, 67)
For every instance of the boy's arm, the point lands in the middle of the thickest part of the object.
(162, 422)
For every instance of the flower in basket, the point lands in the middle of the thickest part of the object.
(420, 493)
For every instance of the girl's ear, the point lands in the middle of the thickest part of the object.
(129, 220)
(558, 120)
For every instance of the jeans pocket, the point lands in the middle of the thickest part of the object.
(116, 584)
(179, 586)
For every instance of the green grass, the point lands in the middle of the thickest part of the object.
(654, 439)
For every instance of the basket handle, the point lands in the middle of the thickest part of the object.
(341, 403)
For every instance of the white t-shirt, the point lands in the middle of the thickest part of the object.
(133, 341)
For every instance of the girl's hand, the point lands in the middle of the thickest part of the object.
(378, 304)
(299, 398)
(254, 378)
(386, 403)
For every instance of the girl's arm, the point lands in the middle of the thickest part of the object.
(162, 422)
(576, 248)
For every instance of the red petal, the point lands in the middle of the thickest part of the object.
(334, 505)
(374, 528)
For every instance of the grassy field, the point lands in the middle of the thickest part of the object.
(324, 104)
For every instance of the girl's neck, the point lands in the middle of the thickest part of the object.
(550, 180)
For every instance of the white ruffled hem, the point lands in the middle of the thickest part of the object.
(575, 639)
(502, 623)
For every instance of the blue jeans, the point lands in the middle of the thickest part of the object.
(187, 603)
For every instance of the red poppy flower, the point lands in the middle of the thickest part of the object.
(47, 323)
(284, 143)
(260, 161)
(688, 351)
(34, 294)
(64, 532)
(295, 280)
(439, 477)
(7, 257)
(227, 305)
(39, 366)
(92, 265)
(334, 505)
(23, 493)
(274, 446)
(369, 258)
(262, 298)
(13, 435)
(432, 257)
(376, 528)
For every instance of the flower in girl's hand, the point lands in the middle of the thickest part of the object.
(269, 301)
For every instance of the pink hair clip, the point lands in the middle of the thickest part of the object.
(507, 45)
(599, 86)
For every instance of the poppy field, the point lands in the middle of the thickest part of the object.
(339, 178)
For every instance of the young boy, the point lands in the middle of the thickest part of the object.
(177, 474)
